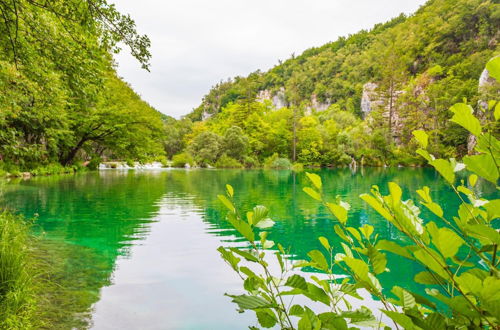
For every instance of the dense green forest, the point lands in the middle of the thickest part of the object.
(358, 98)
(61, 101)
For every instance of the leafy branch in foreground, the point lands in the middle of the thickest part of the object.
(459, 254)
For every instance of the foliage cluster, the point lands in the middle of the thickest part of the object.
(458, 255)
(60, 98)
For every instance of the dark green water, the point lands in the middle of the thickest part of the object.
(145, 241)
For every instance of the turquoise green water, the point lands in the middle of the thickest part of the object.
(147, 239)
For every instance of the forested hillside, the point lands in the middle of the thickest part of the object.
(358, 98)
(61, 100)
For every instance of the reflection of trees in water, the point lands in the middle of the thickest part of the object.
(301, 220)
(102, 214)
(87, 221)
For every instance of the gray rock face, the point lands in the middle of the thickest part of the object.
(370, 98)
(278, 100)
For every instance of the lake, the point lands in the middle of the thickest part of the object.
(143, 243)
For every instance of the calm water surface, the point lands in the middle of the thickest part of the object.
(145, 241)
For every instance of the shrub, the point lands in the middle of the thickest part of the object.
(227, 162)
(275, 162)
(180, 160)
(459, 255)
(251, 162)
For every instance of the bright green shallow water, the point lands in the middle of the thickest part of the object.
(146, 240)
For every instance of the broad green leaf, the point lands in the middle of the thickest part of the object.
(227, 203)
(229, 258)
(338, 211)
(425, 194)
(394, 248)
(463, 115)
(377, 206)
(406, 299)
(472, 180)
(432, 261)
(426, 277)
(434, 208)
(358, 267)
(401, 319)
(250, 302)
(354, 233)
(265, 223)
(324, 242)
(315, 180)
(319, 259)
(493, 67)
(313, 193)
(266, 318)
(297, 282)
(366, 230)
(296, 310)
(445, 169)
(485, 234)
(259, 213)
(340, 232)
(425, 154)
(378, 260)
(482, 165)
(421, 137)
(493, 209)
(247, 255)
(230, 190)
(497, 111)
(447, 242)
(395, 191)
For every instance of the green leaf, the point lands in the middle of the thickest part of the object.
(463, 115)
(266, 318)
(324, 242)
(296, 310)
(358, 267)
(297, 282)
(394, 248)
(250, 302)
(313, 193)
(485, 234)
(230, 190)
(319, 259)
(378, 260)
(401, 319)
(493, 67)
(226, 203)
(472, 180)
(315, 180)
(445, 169)
(482, 165)
(259, 213)
(354, 233)
(421, 137)
(447, 242)
(340, 232)
(266, 223)
(428, 278)
(366, 230)
(338, 211)
(229, 257)
(248, 256)
(377, 206)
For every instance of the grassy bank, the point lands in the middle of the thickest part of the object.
(37, 291)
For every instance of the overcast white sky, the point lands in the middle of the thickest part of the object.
(197, 43)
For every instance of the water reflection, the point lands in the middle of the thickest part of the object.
(153, 234)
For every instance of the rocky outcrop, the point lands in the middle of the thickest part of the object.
(278, 100)
(370, 98)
